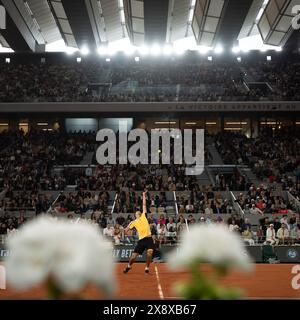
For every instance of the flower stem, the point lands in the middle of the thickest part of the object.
(54, 292)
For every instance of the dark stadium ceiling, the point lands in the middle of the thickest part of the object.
(153, 25)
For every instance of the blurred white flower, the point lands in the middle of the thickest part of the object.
(71, 254)
(210, 244)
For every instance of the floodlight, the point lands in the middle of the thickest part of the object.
(167, 50)
(85, 50)
(203, 49)
(155, 50)
(102, 51)
(236, 49)
(218, 49)
(144, 50)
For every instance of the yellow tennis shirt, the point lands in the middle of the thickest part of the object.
(142, 226)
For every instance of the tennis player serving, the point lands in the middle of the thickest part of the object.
(145, 242)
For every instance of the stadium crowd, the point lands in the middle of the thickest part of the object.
(261, 200)
(274, 157)
(164, 81)
(28, 182)
(26, 161)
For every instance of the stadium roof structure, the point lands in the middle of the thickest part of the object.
(166, 25)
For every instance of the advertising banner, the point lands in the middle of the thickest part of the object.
(122, 253)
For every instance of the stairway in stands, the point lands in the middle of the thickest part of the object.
(217, 161)
(250, 176)
(205, 178)
(88, 158)
(215, 156)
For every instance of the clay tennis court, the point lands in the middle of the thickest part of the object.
(265, 282)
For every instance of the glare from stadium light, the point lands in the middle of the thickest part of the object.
(56, 46)
(85, 50)
(236, 49)
(218, 49)
(137, 59)
(144, 50)
(203, 49)
(239, 59)
(118, 45)
(107, 59)
(70, 50)
(179, 51)
(255, 43)
(184, 44)
(5, 49)
(129, 50)
(245, 50)
(111, 51)
(155, 50)
(167, 50)
(209, 58)
(102, 51)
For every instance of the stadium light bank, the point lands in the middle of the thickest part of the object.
(180, 141)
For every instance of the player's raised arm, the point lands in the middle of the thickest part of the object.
(129, 227)
(144, 202)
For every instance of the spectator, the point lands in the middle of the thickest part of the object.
(247, 236)
(161, 233)
(109, 231)
(283, 234)
(271, 235)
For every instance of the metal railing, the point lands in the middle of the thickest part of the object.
(236, 205)
(293, 201)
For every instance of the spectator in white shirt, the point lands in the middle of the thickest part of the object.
(295, 234)
(109, 231)
(271, 235)
(189, 208)
(233, 226)
(255, 210)
(283, 234)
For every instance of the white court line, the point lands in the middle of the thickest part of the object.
(160, 292)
